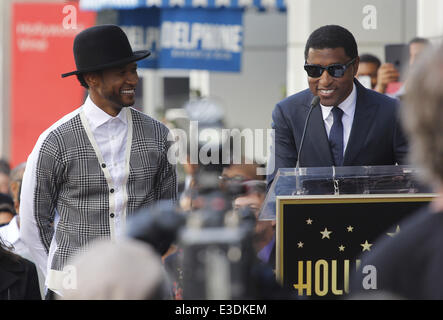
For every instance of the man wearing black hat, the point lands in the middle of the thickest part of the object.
(98, 164)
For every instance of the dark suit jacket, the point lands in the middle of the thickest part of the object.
(376, 137)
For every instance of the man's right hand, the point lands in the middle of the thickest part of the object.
(386, 74)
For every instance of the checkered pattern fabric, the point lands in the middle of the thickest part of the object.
(69, 179)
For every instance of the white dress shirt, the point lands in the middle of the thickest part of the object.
(10, 233)
(111, 134)
(348, 108)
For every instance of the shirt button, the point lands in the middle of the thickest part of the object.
(103, 165)
(111, 215)
(111, 191)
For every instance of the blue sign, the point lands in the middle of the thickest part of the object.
(208, 4)
(142, 26)
(179, 38)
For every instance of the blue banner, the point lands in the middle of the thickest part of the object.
(261, 5)
(142, 26)
(195, 38)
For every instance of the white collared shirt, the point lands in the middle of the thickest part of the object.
(10, 233)
(348, 108)
(111, 134)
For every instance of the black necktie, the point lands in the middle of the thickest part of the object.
(336, 137)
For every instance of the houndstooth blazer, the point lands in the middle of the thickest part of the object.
(70, 179)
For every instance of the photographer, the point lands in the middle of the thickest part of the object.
(264, 232)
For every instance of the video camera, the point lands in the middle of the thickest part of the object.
(216, 253)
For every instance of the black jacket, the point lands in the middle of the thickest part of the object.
(18, 279)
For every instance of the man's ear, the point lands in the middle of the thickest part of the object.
(355, 64)
(91, 78)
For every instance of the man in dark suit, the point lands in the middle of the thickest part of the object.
(350, 126)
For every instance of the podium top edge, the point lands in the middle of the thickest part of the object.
(359, 196)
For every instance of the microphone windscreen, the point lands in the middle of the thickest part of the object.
(315, 101)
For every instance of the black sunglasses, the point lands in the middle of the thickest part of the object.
(336, 70)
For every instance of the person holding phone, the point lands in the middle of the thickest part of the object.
(388, 76)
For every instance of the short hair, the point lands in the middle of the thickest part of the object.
(6, 203)
(419, 40)
(332, 36)
(255, 186)
(82, 81)
(370, 58)
(422, 115)
(16, 174)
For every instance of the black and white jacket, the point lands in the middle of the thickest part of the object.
(67, 193)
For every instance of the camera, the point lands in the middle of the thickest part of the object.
(215, 257)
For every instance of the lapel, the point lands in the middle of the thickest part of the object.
(317, 140)
(365, 111)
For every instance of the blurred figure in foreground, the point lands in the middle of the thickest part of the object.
(128, 270)
(409, 265)
(264, 232)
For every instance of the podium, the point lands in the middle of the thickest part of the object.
(327, 218)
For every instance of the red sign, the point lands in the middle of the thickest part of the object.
(42, 39)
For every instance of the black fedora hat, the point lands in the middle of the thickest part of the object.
(102, 47)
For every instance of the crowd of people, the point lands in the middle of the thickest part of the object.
(63, 213)
(383, 75)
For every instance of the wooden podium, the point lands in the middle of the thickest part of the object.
(327, 218)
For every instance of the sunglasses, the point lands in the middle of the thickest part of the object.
(336, 70)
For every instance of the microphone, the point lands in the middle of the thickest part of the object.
(314, 102)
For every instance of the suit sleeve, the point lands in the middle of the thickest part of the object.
(283, 149)
(39, 198)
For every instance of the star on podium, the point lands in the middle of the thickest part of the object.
(325, 233)
(366, 246)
